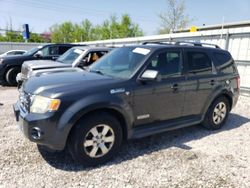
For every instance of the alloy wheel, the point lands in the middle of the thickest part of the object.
(99, 141)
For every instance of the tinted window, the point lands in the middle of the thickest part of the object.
(167, 63)
(63, 49)
(199, 63)
(224, 62)
(19, 52)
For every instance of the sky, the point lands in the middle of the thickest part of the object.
(42, 14)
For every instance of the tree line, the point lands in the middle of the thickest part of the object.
(85, 31)
(174, 18)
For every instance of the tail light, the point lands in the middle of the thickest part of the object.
(238, 83)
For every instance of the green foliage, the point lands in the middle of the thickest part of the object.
(34, 37)
(85, 31)
(11, 36)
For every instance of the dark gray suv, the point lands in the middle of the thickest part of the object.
(132, 92)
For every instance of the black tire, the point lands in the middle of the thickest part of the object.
(11, 76)
(209, 121)
(83, 129)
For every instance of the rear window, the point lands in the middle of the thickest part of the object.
(224, 62)
(222, 58)
(199, 63)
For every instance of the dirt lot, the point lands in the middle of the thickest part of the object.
(190, 157)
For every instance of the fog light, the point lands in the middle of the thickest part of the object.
(36, 133)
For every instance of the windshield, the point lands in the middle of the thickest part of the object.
(121, 62)
(70, 56)
(33, 50)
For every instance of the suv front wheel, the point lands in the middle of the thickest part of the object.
(217, 114)
(95, 139)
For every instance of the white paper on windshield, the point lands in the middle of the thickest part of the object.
(78, 51)
(39, 47)
(142, 51)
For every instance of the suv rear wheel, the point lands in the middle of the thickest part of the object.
(11, 76)
(217, 114)
(95, 139)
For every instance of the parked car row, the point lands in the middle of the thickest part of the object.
(78, 56)
(10, 65)
(131, 92)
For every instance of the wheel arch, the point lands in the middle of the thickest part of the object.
(227, 94)
(123, 119)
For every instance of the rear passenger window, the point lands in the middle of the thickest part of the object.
(199, 63)
(53, 50)
(63, 49)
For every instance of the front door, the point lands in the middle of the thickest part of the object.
(163, 98)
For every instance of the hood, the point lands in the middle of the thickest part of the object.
(67, 82)
(41, 64)
(15, 58)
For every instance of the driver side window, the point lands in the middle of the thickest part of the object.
(166, 63)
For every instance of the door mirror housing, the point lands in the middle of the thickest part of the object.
(82, 63)
(38, 54)
(149, 75)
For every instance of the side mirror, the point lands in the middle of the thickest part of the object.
(149, 75)
(54, 58)
(38, 54)
(82, 63)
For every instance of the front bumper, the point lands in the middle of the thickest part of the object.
(2, 77)
(20, 79)
(40, 128)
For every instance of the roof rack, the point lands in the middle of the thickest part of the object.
(183, 43)
(196, 44)
(161, 43)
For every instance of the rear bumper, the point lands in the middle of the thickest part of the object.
(235, 99)
(39, 128)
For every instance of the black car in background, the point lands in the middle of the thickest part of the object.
(132, 92)
(10, 66)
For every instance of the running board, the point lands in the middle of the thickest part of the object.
(158, 127)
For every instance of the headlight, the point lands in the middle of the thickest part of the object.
(42, 105)
(1, 61)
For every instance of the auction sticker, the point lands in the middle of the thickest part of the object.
(142, 51)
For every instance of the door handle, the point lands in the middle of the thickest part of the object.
(212, 82)
(174, 87)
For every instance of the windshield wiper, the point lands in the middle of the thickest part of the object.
(96, 71)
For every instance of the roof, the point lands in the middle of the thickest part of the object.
(92, 48)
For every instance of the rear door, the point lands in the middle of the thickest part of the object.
(201, 81)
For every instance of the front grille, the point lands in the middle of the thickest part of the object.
(25, 100)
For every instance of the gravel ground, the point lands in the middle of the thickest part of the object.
(189, 157)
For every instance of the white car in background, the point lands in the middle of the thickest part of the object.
(13, 52)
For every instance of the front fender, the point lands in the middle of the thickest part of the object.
(88, 104)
